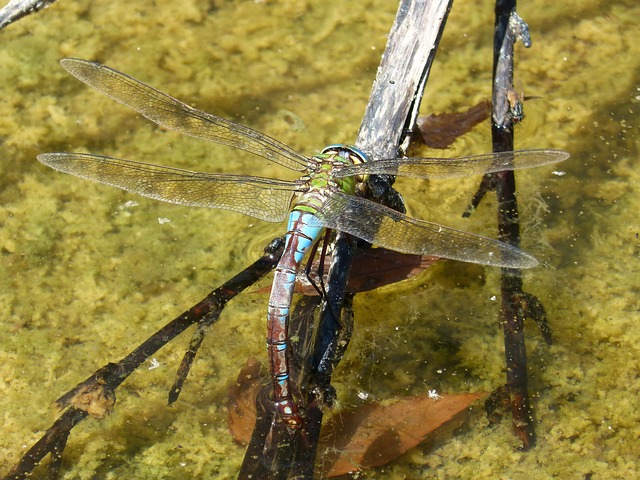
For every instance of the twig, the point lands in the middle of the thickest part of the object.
(515, 303)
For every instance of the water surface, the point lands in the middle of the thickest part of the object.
(86, 276)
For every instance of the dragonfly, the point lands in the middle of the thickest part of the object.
(327, 196)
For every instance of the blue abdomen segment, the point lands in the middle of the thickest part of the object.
(303, 231)
(307, 228)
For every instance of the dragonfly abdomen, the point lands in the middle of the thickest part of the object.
(300, 237)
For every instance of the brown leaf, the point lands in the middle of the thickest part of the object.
(377, 267)
(241, 401)
(367, 436)
(376, 433)
(441, 130)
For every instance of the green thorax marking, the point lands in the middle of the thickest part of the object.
(322, 176)
(321, 181)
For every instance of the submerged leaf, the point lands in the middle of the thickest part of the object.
(441, 130)
(241, 401)
(376, 433)
(377, 267)
(367, 436)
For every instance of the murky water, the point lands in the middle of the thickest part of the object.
(86, 277)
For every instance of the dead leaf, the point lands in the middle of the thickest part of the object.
(441, 130)
(376, 433)
(241, 401)
(378, 267)
(367, 436)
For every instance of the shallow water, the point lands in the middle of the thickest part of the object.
(85, 278)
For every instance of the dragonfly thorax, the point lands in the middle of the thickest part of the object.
(334, 157)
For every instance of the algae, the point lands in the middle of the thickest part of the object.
(86, 276)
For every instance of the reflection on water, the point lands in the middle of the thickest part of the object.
(84, 280)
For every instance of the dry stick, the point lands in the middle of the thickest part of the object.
(274, 451)
(389, 119)
(17, 9)
(96, 395)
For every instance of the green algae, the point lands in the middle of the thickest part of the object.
(85, 277)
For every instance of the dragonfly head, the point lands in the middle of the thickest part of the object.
(348, 152)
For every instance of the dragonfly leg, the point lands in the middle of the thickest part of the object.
(318, 282)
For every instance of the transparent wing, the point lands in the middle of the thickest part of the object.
(180, 117)
(390, 229)
(257, 197)
(456, 167)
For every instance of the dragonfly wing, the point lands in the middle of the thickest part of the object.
(387, 228)
(456, 167)
(180, 117)
(257, 197)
